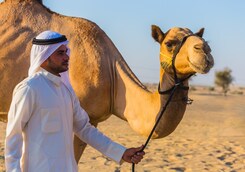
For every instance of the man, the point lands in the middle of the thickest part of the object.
(45, 112)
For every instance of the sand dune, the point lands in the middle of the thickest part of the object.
(211, 137)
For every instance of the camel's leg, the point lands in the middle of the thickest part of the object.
(79, 147)
(3, 116)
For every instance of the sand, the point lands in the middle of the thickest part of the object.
(211, 137)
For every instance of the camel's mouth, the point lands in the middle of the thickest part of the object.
(202, 68)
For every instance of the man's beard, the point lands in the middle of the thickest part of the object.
(58, 69)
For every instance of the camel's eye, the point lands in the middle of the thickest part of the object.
(169, 44)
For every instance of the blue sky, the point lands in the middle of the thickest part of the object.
(128, 24)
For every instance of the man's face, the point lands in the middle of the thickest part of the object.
(57, 62)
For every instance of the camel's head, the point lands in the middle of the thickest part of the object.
(193, 55)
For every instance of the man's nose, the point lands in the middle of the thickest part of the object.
(67, 57)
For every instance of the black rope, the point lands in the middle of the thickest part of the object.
(158, 120)
(178, 84)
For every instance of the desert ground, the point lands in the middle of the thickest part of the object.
(211, 137)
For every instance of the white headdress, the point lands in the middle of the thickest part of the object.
(43, 46)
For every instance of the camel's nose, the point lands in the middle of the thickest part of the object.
(210, 60)
(205, 49)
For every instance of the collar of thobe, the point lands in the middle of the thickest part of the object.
(53, 78)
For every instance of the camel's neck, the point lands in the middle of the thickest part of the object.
(140, 107)
(133, 102)
(176, 108)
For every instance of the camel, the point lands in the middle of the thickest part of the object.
(101, 78)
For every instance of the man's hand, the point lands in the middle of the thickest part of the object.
(133, 155)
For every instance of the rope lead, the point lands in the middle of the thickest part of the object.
(178, 84)
(158, 120)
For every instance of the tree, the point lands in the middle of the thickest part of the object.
(224, 79)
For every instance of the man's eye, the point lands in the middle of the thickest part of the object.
(61, 53)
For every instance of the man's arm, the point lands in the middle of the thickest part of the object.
(18, 115)
(92, 136)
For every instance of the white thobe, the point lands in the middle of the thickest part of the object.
(43, 115)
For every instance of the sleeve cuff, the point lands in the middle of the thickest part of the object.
(115, 152)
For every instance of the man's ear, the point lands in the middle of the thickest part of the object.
(200, 32)
(157, 34)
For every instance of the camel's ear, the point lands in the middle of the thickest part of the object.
(200, 32)
(157, 33)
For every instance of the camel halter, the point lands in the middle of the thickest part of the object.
(178, 84)
(178, 81)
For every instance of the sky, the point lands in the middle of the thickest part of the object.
(128, 25)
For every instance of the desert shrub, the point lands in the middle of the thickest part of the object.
(192, 88)
(211, 88)
(223, 79)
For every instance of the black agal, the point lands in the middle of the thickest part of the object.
(49, 41)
